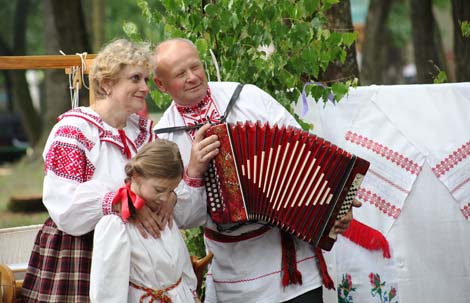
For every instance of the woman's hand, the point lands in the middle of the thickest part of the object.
(147, 222)
(152, 222)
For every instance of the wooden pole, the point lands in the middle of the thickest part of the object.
(51, 62)
(44, 62)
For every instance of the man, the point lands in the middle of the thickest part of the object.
(248, 262)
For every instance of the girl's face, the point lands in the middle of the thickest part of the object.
(154, 191)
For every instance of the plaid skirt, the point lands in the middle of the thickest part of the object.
(59, 267)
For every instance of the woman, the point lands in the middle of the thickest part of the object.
(125, 266)
(84, 159)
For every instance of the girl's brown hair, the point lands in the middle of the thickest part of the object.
(160, 159)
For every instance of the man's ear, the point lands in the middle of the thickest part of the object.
(159, 84)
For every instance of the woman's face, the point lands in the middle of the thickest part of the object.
(130, 89)
(154, 191)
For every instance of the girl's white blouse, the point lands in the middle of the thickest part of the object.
(121, 254)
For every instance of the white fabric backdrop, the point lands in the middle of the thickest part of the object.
(417, 138)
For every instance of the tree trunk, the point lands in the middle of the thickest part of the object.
(340, 19)
(461, 12)
(21, 98)
(427, 50)
(373, 55)
(65, 30)
(98, 17)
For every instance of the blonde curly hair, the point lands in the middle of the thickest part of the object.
(114, 57)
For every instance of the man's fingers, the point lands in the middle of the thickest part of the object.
(356, 203)
(201, 133)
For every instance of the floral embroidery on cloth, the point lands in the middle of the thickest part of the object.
(379, 291)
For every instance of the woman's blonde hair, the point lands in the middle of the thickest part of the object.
(158, 159)
(114, 57)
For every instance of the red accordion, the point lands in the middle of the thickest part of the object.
(283, 176)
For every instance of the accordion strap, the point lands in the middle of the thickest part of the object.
(234, 97)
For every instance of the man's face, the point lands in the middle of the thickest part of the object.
(180, 73)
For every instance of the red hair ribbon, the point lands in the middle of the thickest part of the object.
(123, 195)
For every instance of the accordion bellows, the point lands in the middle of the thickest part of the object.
(283, 176)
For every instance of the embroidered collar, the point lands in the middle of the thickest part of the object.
(110, 134)
(205, 111)
(197, 108)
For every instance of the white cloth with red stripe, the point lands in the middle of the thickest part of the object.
(417, 191)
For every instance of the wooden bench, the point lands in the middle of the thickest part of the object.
(16, 243)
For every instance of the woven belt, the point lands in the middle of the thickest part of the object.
(155, 294)
(216, 236)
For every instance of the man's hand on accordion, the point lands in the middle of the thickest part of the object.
(342, 224)
(202, 151)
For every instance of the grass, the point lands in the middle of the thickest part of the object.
(17, 179)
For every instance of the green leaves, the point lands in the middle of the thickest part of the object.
(465, 27)
(130, 29)
(277, 46)
(440, 78)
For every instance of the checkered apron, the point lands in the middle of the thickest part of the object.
(59, 267)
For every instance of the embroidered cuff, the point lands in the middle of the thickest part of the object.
(108, 204)
(192, 182)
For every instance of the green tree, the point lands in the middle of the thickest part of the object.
(278, 45)
(15, 42)
(461, 18)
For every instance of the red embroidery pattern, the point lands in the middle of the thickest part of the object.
(145, 127)
(385, 152)
(377, 201)
(452, 160)
(68, 161)
(78, 112)
(192, 182)
(108, 203)
(204, 111)
(466, 211)
(143, 136)
(74, 133)
(107, 134)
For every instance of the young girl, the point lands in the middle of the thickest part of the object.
(126, 267)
